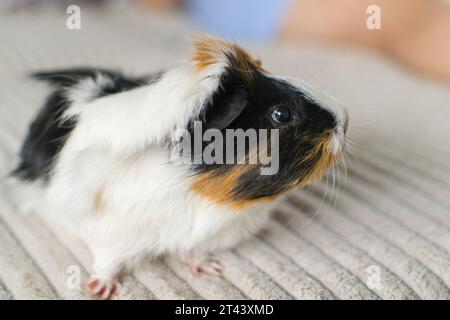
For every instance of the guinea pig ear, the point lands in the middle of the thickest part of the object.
(225, 108)
(236, 70)
(210, 51)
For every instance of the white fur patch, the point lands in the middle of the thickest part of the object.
(132, 120)
(87, 89)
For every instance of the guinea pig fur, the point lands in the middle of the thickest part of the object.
(102, 147)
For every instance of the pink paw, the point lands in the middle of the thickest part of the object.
(102, 289)
(210, 267)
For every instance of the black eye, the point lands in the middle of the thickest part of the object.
(281, 115)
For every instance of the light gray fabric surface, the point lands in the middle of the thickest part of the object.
(390, 212)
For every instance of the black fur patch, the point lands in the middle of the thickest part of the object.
(47, 133)
(244, 104)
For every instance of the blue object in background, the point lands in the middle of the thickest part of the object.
(252, 20)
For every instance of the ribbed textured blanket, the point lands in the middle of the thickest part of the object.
(382, 231)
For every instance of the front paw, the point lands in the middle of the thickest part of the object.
(207, 266)
(102, 289)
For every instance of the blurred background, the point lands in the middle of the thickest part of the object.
(388, 61)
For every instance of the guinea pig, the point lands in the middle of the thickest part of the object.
(127, 160)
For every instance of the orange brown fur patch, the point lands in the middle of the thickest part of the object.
(219, 188)
(210, 51)
(326, 159)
